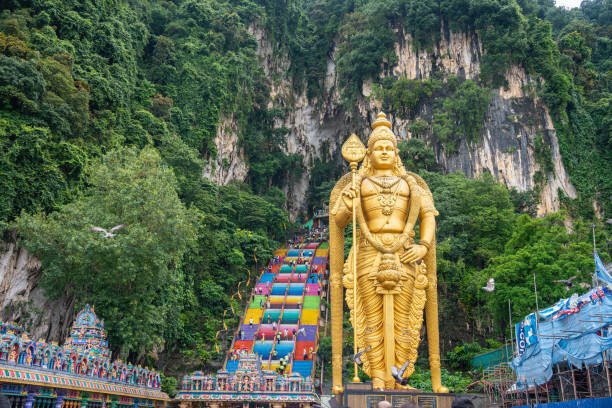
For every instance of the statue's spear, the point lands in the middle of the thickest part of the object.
(353, 151)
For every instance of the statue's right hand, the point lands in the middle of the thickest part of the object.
(349, 195)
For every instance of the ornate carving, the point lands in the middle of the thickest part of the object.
(85, 352)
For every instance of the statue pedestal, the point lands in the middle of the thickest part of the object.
(361, 395)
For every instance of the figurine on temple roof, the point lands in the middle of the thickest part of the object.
(13, 356)
(87, 334)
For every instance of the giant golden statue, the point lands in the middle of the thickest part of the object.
(396, 275)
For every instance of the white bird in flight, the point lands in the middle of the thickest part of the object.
(110, 233)
(490, 285)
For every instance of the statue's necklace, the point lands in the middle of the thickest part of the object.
(384, 195)
(386, 182)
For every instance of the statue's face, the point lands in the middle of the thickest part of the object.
(383, 154)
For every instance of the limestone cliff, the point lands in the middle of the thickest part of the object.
(24, 301)
(229, 162)
(506, 148)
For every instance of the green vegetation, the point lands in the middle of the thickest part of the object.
(461, 116)
(417, 156)
(459, 359)
(568, 49)
(459, 108)
(403, 96)
(134, 277)
(456, 382)
(366, 41)
(540, 247)
(480, 235)
(107, 112)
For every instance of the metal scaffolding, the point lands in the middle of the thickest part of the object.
(567, 383)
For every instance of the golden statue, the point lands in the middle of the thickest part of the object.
(396, 276)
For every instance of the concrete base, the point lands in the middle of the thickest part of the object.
(361, 395)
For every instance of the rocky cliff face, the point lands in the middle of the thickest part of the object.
(506, 148)
(229, 163)
(456, 54)
(23, 300)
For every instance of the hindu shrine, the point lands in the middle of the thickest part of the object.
(80, 373)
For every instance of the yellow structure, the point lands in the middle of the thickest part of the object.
(390, 278)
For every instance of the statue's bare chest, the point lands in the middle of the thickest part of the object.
(385, 202)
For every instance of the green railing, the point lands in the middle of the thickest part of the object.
(492, 358)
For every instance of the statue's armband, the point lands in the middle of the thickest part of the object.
(427, 205)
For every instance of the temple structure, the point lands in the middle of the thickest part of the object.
(78, 374)
(248, 384)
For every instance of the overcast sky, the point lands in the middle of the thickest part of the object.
(568, 3)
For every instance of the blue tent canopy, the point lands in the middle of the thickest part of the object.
(574, 330)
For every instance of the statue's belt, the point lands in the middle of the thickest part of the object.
(387, 239)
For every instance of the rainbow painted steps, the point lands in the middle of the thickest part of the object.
(282, 318)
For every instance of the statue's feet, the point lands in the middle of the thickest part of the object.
(440, 389)
(378, 384)
(405, 387)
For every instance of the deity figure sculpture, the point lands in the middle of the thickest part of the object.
(396, 274)
(13, 355)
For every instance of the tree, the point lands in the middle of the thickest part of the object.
(133, 279)
(36, 171)
(476, 216)
(417, 156)
(542, 247)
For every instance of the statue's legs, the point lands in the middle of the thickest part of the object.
(409, 305)
(406, 342)
(372, 304)
(433, 334)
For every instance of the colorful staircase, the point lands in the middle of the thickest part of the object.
(285, 300)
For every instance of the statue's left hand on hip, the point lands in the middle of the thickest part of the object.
(414, 253)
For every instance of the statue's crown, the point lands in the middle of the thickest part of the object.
(381, 130)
